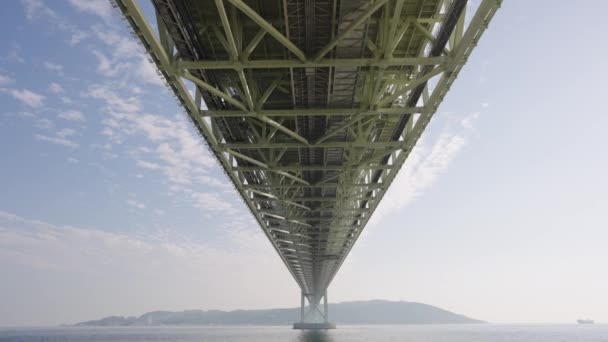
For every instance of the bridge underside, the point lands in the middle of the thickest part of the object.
(310, 106)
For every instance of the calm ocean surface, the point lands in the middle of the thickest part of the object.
(415, 333)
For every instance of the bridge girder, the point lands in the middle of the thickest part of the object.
(241, 78)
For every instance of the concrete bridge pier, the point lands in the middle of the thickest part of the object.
(314, 318)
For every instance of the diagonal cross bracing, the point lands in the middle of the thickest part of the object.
(310, 118)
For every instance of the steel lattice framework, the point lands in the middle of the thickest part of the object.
(310, 106)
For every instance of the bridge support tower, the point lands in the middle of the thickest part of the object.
(314, 318)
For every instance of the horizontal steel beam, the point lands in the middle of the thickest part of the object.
(325, 227)
(318, 219)
(315, 112)
(317, 199)
(320, 186)
(253, 15)
(311, 167)
(314, 242)
(328, 210)
(308, 220)
(326, 144)
(351, 27)
(323, 63)
(264, 166)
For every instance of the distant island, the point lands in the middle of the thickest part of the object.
(360, 312)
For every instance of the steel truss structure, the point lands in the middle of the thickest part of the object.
(310, 106)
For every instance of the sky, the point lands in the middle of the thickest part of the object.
(110, 203)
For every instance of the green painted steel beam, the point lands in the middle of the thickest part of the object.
(315, 112)
(316, 219)
(273, 197)
(390, 37)
(323, 63)
(312, 168)
(253, 44)
(317, 229)
(396, 39)
(264, 166)
(232, 49)
(352, 216)
(320, 186)
(356, 23)
(326, 144)
(316, 199)
(344, 125)
(253, 15)
(282, 128)
(185, 74)
(312, 210)
(411, 85)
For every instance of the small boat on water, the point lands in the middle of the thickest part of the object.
(585, 321)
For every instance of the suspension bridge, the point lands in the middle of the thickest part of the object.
(311, 107)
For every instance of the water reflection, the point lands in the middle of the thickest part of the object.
(314, 336)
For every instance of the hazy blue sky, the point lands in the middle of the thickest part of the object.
(111, 205)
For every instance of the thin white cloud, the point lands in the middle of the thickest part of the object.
(122, 46)
(55, 88)
(4, 80)
(13, 56)
(26, 96)
(148, 165)
(107, 132)
(72, 160)
(211, 202)
(27, 115)
(100, 8)
(175, 150)
(424, 166)
(71, 115)
(38, 10)
(108, 67)
(66, 132)
(136, 204)
(126, 57)
(77, 37)
(118, 103)
(215, 182)
(467, 122)
(147, 72)
(57, 140)
(35, 9)
(136, 90)
(183, 156)
(52, 66)
(179, 153)
(44, 123)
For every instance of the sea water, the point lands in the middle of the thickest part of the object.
(376, 333)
